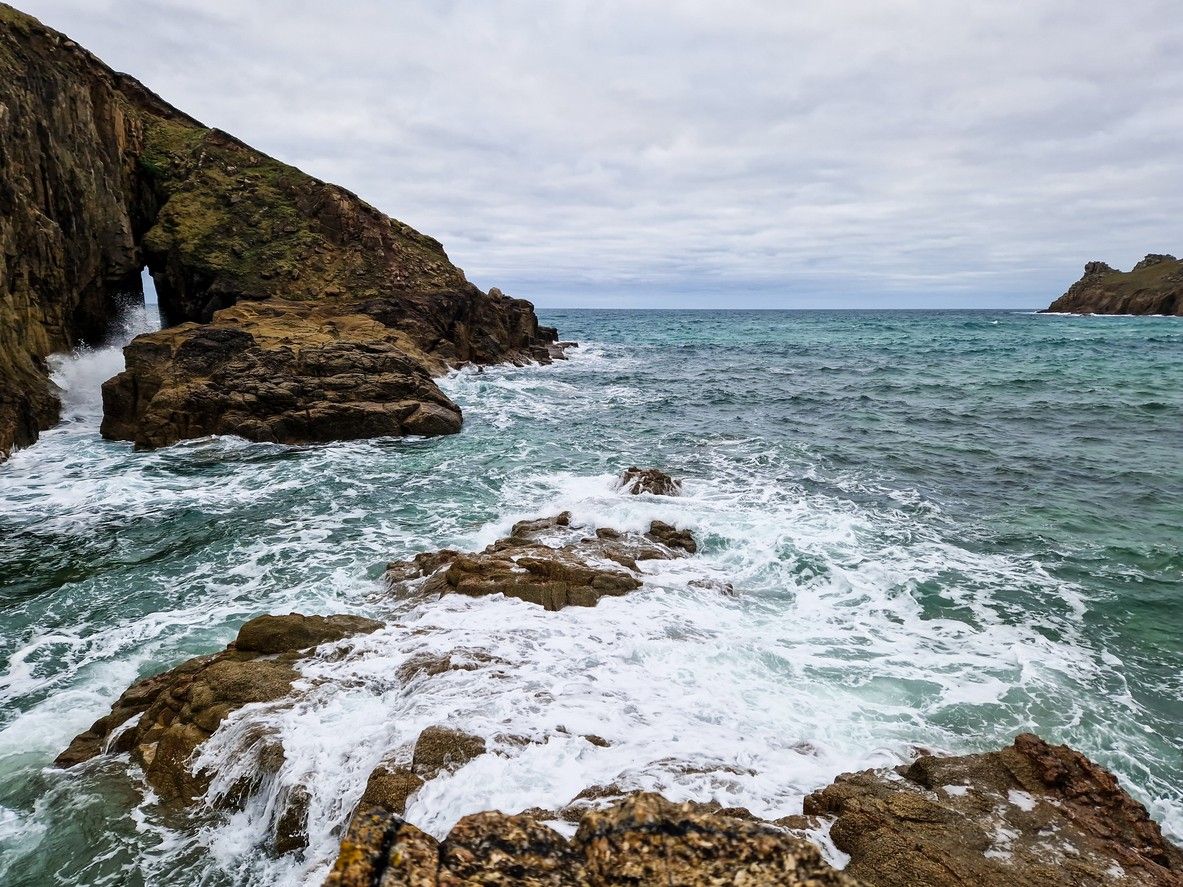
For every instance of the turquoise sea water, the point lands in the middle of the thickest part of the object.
(942, 528)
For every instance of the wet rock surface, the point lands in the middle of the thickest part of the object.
(642, 839)
(649, 480)
(343, 314)
(178, 710)
(1031, 815)
(546, 562)
(1153, 286)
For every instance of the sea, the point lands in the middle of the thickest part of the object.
(919, 531)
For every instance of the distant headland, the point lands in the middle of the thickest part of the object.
(1153, 286)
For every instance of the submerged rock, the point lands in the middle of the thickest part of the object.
(546, 562)
(642, 839)
(181, 708)
(649, 480)
(1153, 286)
(295, 311)
(1032, 815)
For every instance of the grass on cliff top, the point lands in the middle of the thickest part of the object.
(1151, 278)
(233, 210)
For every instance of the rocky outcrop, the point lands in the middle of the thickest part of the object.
(649, 480)
(99, 178)
(643, 839)
(1032, 815)
(1153, 286)
(181, 708)
(546, 562)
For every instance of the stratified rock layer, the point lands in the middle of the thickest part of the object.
(100, 178)
(181, 708)
(546, 562)
(1032, 815)
(1154, 286)
(643, 839)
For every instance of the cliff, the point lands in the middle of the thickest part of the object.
(342, 315)
(1154, 286)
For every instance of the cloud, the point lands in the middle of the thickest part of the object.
(852, 153)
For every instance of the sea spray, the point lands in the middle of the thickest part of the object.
(912, 557)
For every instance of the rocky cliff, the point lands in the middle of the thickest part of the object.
(340, 316)
(1154, 286)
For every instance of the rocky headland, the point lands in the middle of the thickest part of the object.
(1153, 286)
(294, 311)
(1029, 815)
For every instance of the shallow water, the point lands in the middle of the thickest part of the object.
(942, 528)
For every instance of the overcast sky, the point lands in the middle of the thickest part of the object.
(844, 153)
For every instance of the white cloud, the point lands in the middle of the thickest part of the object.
(858, 152)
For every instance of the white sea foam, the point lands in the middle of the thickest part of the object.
(826, 659)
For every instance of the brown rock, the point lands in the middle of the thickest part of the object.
(649, 480)
(284, 634)
(389, 788)
(440, 748)
(1032, 815)
(179, 709)
(381, 849)
(642, 839)
(545, 562)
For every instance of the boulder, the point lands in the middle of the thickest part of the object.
(181, 708)
(1031, 815)
(649, 480)
(641, 839)
(546, 562)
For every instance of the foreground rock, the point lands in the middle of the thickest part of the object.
(643, 839)
(181, 708)
(1154, 286)
(100, 178)
(546, 562)
(1032, 815)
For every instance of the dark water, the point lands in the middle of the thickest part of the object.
(942, 528)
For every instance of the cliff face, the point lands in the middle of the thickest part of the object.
(1154, 286)
(100, 178)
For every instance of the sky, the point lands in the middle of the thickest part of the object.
(622, 153)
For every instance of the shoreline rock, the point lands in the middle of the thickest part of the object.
(295, 311)
(1031, 815)
(642, 839)
(546, 562)
(1153, 286)
(177, 710)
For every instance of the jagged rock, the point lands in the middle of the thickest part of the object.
(181, 708)
(642, 839)
(440, 748)
(1032, 815)
(340, 314)
(1153, 286)
(546, 562)
(649, 480)
(291, 830)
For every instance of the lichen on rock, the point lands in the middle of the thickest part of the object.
(641, 839)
